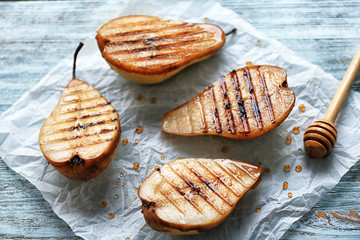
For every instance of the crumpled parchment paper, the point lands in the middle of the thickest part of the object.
(81, 205)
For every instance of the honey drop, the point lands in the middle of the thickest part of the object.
(258, 208)
(298, 168)
(104, 204)
(139, 129)
(115, 185)
(121, 174)
(296, 130)
(285, 131)
(162, 157)
(290, 195)
(136, 165)
(249, 64)
(157, 168)
(302, 107)
(225, 149)
(299, 150)
(286, 168)
(127, 238)
(153, 100)
(135, 188)
(136, 140)
(206, 19)
(258, 42)
(124, 141)
(135, 197)
(285, 185)
(122, 186)
(118, 179)
(267, 170)
(111, 215)
(288, 140)
(125, 196)
(140, 98)
(116, 196)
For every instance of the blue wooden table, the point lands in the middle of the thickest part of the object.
(36, 35)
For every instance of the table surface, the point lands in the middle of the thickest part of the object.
(36, 35)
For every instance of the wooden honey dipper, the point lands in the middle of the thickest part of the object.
(320, 136)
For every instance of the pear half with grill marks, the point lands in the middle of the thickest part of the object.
(149, 49)
(194, 195)
(81, 136)
(243, 104)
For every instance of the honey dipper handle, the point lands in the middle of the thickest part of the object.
(343, 89)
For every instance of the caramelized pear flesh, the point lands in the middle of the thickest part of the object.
(148, 49)
(82, 134)
(243, 104)
(190, 196)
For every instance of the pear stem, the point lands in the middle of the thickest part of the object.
(232, 31)
(75, 56)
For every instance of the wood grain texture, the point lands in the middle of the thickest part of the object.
(36, 35)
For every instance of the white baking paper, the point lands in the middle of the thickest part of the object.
(80, 203)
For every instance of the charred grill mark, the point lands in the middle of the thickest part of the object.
(240, 101)
(90, 115)
(197, 190)
(180, 191)
(152, 40)
(208, 184)
(79, 136)
(216, 114)
(202, 116)
(79, 127)
(154, 30)
(267, 97)
(217, 177)
(149, 204)
(227, 105)
(228, 172)
(255, 106)
(73, 119)
(157, 48)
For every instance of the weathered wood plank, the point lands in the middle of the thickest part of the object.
(36, 35)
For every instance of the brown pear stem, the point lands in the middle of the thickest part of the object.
(75, 56)
(342, 92)
(230, 32)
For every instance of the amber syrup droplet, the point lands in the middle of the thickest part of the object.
(175, 100)
(156, 168)
(125, 196)
(249, 64)
(267, 170)
(288, 140)
(206, 19)
(110, 203)
(225, 149)
(285, 185)
(289, 149)
(285, 131)
(298, 168)
(127, 238)
(140, 98)
(111, 215)
(299, 150)
(258, 208)
(104, 204)
(115, 185)
(135, 188)
(135, 197)
(258, 42)
(302, 107)
(139, 129)
(125, 141)
(121, 174)
(129, 200)
(116, 196)
(122, 186)
(296, 130)
(290, 195)
(286, 168)
(118, 179)
(162, 157)
(136, 140)
(153, 100)
(136, 165)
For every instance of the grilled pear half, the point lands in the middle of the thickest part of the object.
(243, 104)
(149, 49)
(81, 136)
(194, 195)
